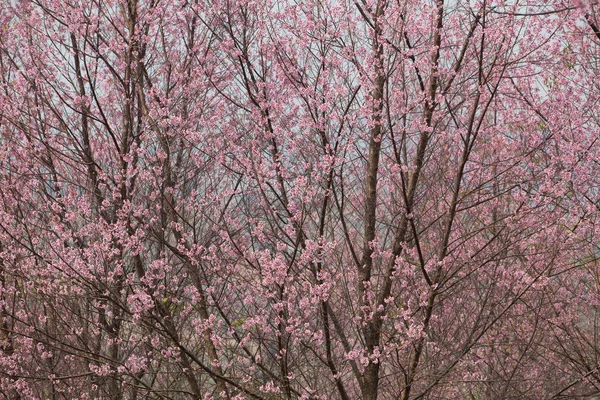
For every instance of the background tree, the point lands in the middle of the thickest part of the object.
(299, 200)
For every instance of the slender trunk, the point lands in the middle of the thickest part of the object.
(372, 328)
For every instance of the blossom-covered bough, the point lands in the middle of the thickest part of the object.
(321, 199)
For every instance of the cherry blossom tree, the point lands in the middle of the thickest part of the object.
(321, 199)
